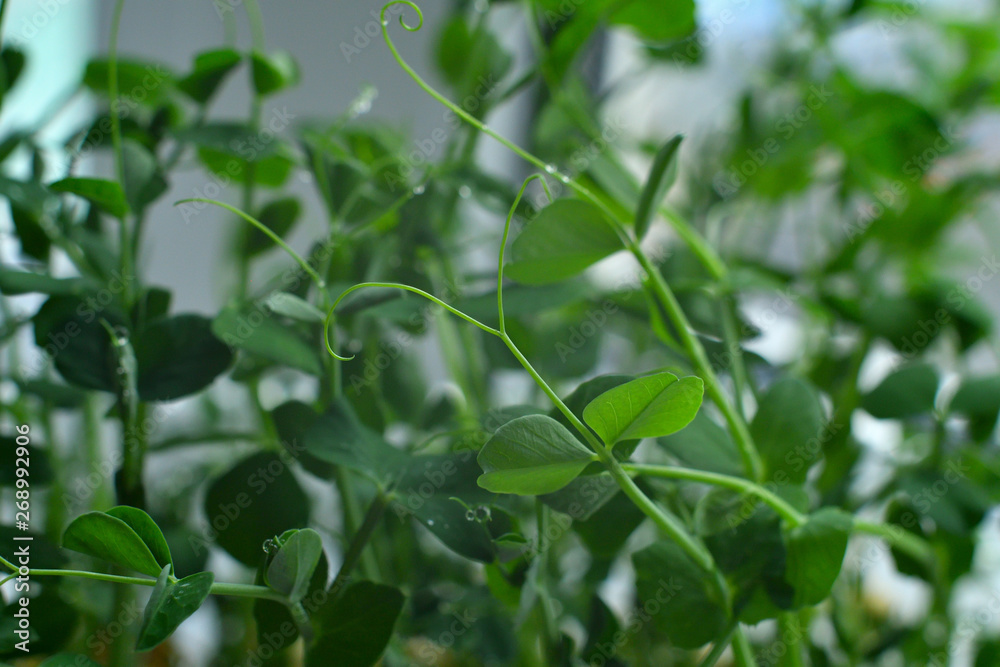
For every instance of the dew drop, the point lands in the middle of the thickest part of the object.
(122, 340)
(564, 178)
(551, 168)
(430, 522)
(465, 192)
(470, 515)
(418, 190)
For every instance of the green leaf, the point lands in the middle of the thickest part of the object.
(689, 614)
(13, 64)
(144, 181)
(354, 627)
(146, 529)
(294, 307)
(257, 499)
(279, 215)
(672, 20)
(788, 430)
(907, 392)
(815, 552)
(210, 69)
(338, 436)
(255, 332)
(291, 569)
(108, 538)
(106, 195)
(178, 356)
(647, 407)
(704, 445)
(144, 82)
(273, 72)
(170, 605)
(24, 282)
(567, 236)
(531, 455)
(427, 490)
(657, 183)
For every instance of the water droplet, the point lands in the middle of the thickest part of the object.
(419, 190)
(551, 168)
(385, 21)
(122, 340)
(483, 514)
(564, 178)
(470, 515)
(430, 522)
(465, 192)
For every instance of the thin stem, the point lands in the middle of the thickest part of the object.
(898, 537)
(503, 241)
(408, 288)
(742, 650)
(790, 632)
(256, 20)
(310, 271)
(719, 648)
(657, 284)
(361, 537)
(737, 364)
(116, 123)
(787, 512)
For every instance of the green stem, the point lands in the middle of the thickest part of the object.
(310, 271)
(719, 647)
(898, 537)
(656, 283)
(787, 512)
(235, 590)
(124, 242)
(361, 537)
(790, 632)
(742, 650)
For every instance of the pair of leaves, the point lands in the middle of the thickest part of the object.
(123, 535)
(170, 604)
(176, 356)
(535, 454)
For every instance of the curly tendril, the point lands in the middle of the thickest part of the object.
(409, 288)
(506, 233)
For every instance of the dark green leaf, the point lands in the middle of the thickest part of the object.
(788, 430)
(815, 552)
(178, 356)
(279, 215)
(146, 529)
(907, 392)
(23, 282)
(532, 455)
(255, 332)
(657, 184)
(254, 501)
(144, 181)
(108, 538)
(107, 195)
(210, 69)
(355, 626)
(705, 445)
(689, 614)
(337, 436)
(170, 605)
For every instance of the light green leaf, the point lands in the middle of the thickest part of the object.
(106, 195)
(531, 455)
(273, 72)
(170, 605)
(647, 407)
(294, 307)
(108, 538)
(291, 569)
(254, 332)
(567, 236)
